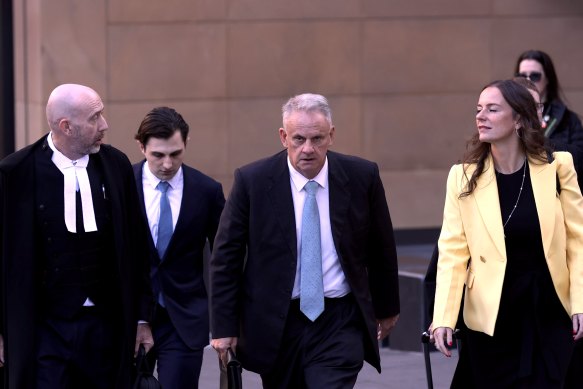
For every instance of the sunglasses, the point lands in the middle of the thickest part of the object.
(534, 76)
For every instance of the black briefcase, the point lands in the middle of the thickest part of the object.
(230, 377)
(144, 377)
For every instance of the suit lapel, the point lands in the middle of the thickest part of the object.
(543, 179)
(488, 204)
(189, 204)
(279, 192)
(114, 193)
(140, 186)
(339, 197)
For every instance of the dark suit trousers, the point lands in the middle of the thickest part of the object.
(326, 353)
(81, 352)
(178, 365)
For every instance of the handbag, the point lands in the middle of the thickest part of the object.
(144, 377)
(230, 377)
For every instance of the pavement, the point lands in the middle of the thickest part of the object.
(400, 369)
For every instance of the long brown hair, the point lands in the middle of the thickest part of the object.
(532, 139)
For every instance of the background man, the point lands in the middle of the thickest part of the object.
(182, 207)
(74, 280)
(300, 213)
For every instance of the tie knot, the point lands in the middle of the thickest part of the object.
(311, 187)
(163, 186)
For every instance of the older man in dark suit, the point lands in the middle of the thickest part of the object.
(74, 280)
(182, 206)
(304, 272)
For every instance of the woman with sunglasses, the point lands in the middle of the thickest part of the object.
(513, 234)
(561, 125)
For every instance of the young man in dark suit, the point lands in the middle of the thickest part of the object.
(304, 273)
(182, 207)
(74, 281)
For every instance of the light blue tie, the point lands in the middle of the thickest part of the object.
(164, 227)
(165, 221)
(311, 283)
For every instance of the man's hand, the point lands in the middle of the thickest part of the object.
(385, 326)
(221, 345)
(144, 336)
(1, 351)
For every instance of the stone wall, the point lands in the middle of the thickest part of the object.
(402, 76)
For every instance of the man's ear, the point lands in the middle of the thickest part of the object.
(142, 147)
(283, 137)
(65, 126)
(332, 131)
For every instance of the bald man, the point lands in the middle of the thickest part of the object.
(75, 297)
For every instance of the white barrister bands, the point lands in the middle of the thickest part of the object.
(75, 176)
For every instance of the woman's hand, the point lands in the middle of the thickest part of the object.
(443, 335)
(577, 326)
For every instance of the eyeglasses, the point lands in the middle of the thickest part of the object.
(534, 76)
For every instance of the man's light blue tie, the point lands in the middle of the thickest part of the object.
(164, 226)
(311, 287)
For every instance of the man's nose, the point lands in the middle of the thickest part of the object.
(308, 146)
(104, 126)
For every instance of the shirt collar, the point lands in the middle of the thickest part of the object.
(175, 182)
(299, 181)
(60, 160)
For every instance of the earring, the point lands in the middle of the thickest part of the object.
(517, 134)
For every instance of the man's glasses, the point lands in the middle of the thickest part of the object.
(534, 76)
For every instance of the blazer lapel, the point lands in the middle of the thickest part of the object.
(488, 204)
(543, 177)
(279, 192)
(339, 197)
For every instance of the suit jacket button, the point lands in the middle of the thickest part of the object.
(482, 259)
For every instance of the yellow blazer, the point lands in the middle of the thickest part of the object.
(472, 232)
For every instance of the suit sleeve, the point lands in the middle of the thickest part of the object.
(453, 256)
(218, 203)
(2, 261)
(137, 232)
(572, 205)
(227, 262)
(383, 271)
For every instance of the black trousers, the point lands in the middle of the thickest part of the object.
(80, 352)
(178, 365)
(326, 353)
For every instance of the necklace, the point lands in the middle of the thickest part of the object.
(517, 199)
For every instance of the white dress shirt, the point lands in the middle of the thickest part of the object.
(335, 284)
(152, 197)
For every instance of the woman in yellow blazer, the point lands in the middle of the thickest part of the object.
(513, 234)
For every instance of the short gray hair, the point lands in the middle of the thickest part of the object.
(307, 102)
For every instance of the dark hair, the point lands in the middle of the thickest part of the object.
(553, 87)
(525, 82)
(161, 122)
(532, 139)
